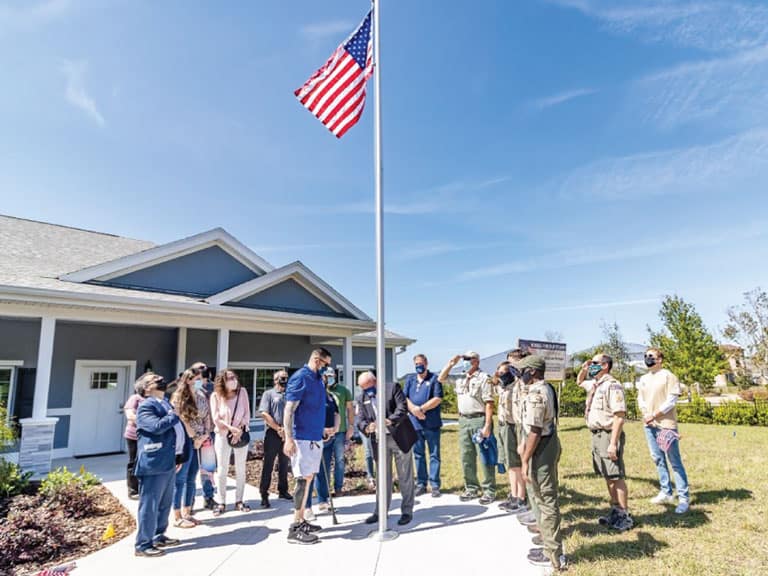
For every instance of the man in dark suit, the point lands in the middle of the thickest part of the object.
(400, 438)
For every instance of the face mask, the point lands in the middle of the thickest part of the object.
(649, 361)
(198, 384)
(420, 368)
(466, 365)
(526, 377)
(506, 378)
(161, 385)
(594, 370)
(371, 391)
(231, 384)
(282, 381)
(330, 381)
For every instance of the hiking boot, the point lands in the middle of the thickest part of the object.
(486, 499)
(623, 522)
(682, 507)
(610, 518)
(435, 492)
(527, 519)
(662, 498)
(537, 558)
(420, 490)
(537, 540)
(467, 496)
(150, 552)
(298, 536)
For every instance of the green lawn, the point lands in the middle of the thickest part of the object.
(724, 533)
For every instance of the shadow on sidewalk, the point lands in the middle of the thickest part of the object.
(245, 536)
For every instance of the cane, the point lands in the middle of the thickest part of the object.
(328, 484)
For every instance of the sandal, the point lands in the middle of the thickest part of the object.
(184, 523)
(219, 510)
(241, 507)
(194, 520)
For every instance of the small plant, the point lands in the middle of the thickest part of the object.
(12, 480)
(7, 433)
(31, 536)
(70, 493)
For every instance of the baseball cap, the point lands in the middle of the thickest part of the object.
(533, 361)
(471, 354)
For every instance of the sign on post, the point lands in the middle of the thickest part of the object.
(553, 354)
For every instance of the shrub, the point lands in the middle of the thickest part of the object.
(70, 493)
(7, 433)
(12, 480)
(572, 399)
(697, 411)
(735, 413)
(450, 403)
(31, 536)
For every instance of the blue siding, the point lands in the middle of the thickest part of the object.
(61, 433)
(202, 273)
(288, 296)
(19, 340)
(201, 347)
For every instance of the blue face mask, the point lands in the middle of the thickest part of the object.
(198, 384)
(371, 392)
(594, 370)
(420, 368)
(330, 381)
(466, 365)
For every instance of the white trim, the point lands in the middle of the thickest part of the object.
(11, 363)
(303, 276)
(222, 348)
(61, 453)
(165, 252)
(60, 411)
(181, 350)
(80, 367)
(44, 366)
(357, 367)
(242, 365)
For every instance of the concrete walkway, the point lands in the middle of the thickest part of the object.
(445, 537)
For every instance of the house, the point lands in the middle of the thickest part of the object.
(83, 313)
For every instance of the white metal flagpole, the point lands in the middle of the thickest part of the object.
(381, 366)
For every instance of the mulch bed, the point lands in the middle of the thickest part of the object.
(354, 471)
(83, 535)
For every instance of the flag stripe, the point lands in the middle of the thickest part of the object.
(341, 97)
(338, 88)
(344, 66)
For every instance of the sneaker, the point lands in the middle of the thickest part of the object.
(662, 498)
(150, 552)
(467, 496)
(527, 519)
(322, 507)
(537, 558)
(623, 522)
(521, 505)
(133, 495)
(610, 518)
(309, 516)
(307, 527)
(165, 542)
(682, 507)
(421, 490)
(534, 529)
(298, 536)
(486, 499)
(435, 492)
(210, 504)
(537, 540)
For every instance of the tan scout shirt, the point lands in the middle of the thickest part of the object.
(473, 392)
(506, 407)
(518, 396)
(653, 391)
(607, 398)
(539, 408)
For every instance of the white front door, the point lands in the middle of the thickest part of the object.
(97, 420)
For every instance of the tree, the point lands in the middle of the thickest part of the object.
(613, 344)
(690, 351)
(748, 326)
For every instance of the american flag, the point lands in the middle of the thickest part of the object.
(335, 94)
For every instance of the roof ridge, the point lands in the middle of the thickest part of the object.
(73, 228)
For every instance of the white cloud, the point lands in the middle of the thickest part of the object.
(601, 305)
(331, 28)
(738, 162)
(30, 13)
(76, 93)
(562, 97)
(716, 25)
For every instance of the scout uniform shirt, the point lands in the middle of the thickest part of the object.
(605, 399)
(519, 391)
(539, 409)
(473, 392)
(653, 392)
(506, 407)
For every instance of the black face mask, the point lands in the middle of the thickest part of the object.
(527, 377)
(507, 378)
(161, 385)
(282, 381)
(649, 361)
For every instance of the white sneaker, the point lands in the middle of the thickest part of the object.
(682, 508)
(662, 498)
(309, 516)
(322, 507)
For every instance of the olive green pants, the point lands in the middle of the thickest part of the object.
(544, 485)
(470, 452)
(528, 488)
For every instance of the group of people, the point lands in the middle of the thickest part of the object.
(310, 419)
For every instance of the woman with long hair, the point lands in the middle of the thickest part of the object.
(231, 411)
(191, 404)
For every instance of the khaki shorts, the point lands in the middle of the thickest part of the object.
(603, 465)
(508, 446)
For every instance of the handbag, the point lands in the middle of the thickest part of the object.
(245, 437)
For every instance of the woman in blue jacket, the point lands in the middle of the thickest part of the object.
(158, 444)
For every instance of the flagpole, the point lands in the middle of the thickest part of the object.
(381, 469)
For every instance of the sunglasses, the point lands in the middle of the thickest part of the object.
(593, 363)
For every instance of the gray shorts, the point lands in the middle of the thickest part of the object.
(601, 462)
(306, 461)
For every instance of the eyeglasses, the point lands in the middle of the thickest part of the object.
(650, 356)
(593, 363)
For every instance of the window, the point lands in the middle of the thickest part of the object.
(6, 379)
(103, 380)
(257, 380)
(356, 371)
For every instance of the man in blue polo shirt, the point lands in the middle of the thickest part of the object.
(424, 393)
(303, 422)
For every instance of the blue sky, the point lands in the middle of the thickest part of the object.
(549, 164)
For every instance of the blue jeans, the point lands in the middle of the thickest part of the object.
(675, 461)
(321, 485)
(369, 472)
(427, 437)
(155, 497)
(205, 480)
(338, 461)
(185, 484)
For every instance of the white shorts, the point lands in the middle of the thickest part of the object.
(306, 460)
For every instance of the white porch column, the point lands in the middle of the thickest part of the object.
(349, 373)
(181, 351)
(222, 349)
(36, 446)
(394, 364)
